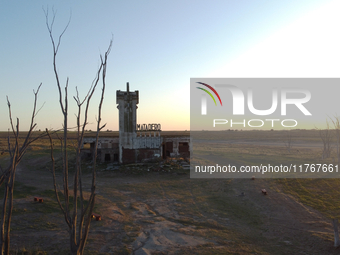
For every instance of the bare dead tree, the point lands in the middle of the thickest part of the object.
(16, 151)
(78, 221)
(336, 232)
(336, 124)
(327, 139)
(288, 140)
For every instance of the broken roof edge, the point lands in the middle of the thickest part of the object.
(112, 134)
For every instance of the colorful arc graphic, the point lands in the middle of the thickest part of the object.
(210, 93)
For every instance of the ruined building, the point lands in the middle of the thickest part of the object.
(136, 142)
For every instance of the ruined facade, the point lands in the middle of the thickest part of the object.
(136, 143)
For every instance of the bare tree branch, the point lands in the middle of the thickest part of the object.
(78, 228)
(327, 140)
(54, 178)
(336, 123)
(288, 140)
(8, 176)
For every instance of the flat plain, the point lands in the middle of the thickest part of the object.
(156, 208)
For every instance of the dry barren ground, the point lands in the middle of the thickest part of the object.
(153, 209)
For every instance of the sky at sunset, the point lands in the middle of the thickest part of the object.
(157, 47)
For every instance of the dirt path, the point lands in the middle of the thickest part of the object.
(286, 221)
(286, 225)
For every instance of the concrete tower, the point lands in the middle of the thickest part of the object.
(127, 104)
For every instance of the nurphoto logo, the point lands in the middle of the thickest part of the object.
(279, 99)
(204, 101)
(263, 127)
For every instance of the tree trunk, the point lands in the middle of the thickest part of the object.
(3, 219)
(336, 233)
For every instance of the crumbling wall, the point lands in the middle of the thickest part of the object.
(176, 147)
